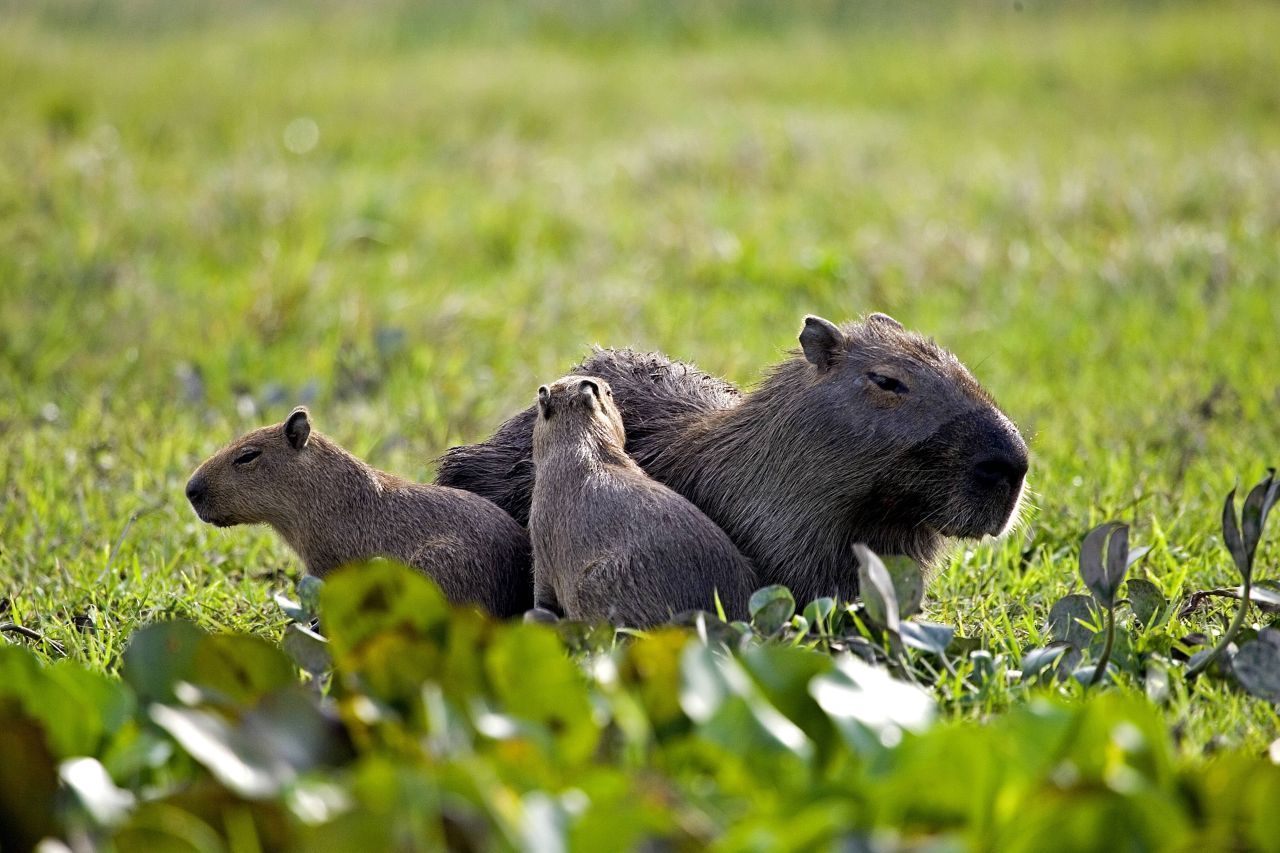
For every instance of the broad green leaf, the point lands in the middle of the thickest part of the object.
(650, 668)
(360, 601)
(870, 708)
(818, 613)
(95, 792)
(927, 636)
(1231, 537)
(1253, 516)
(731, 710)
(908, 584)
(159, 656)
(292, 609)
(1070, 617)
(307, 649)
(783, 674)
(536, 682)
(1058, 657)
(265, 749)
(1146, 600)
(1257, 666)
(79, 709)
(310, 588)
(28, 780)
(771, 607)
(876, 589)
(1156, 682)
(1104, 570)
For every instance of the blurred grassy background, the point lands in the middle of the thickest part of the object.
(409, 215)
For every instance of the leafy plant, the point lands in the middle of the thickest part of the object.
(1241, 536)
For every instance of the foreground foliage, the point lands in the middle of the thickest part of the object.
(441, 727)
(417, 725)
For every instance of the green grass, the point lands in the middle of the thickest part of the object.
(1081, 204)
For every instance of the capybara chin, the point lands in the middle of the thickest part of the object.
(333, 509)
(609, 542)
(868, 433)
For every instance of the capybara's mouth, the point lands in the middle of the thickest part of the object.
(215, 520)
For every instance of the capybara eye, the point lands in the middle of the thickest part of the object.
(247, 456)
(888, 383)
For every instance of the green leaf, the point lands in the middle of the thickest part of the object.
(307, 649)
(1070, 617)
(783, 674)
(1146, 600)
(310, 589)
(927, 636)
(263, 750)
(536, 682)
(1103, 574)
(1231, 537)
(818, 613)
(291, 608)
(28, 780)
(876, 588)
(91, 786)
(359, 602)
(731, 711)
(771, 608)
(908, 584)
(870, 708)
(1253, 516)
(1257, 665)
(1156, 682)
(232, 667)
(160, 655)
(1058, 658)
(79, 709)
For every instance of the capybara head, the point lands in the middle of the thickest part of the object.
(579, 406)
(259, 478)
(917, 444)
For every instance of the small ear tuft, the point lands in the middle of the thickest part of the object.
(820, 339)
(589, 388)
(885, 320)
(297, 427)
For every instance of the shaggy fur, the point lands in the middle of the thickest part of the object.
(333, 509)
(869, 433)
(609, 542)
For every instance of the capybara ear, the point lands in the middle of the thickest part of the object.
(297, 427)
(544, 397)
(885, 320)
(590, 389)
(820, 339)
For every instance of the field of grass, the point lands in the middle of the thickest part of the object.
(205, 223)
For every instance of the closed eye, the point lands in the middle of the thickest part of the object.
(247, 456)
(888, 383)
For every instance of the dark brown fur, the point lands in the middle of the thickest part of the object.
(333, 509)
(609, 542)
(820, 456)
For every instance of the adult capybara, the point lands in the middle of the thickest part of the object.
(333, 509)
(869, 433)
(610, 542)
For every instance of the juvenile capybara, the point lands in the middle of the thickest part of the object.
(868, 433)
(333, 509)
(610, 542)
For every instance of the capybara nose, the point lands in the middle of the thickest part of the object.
(1004, 470)
(196, 490)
